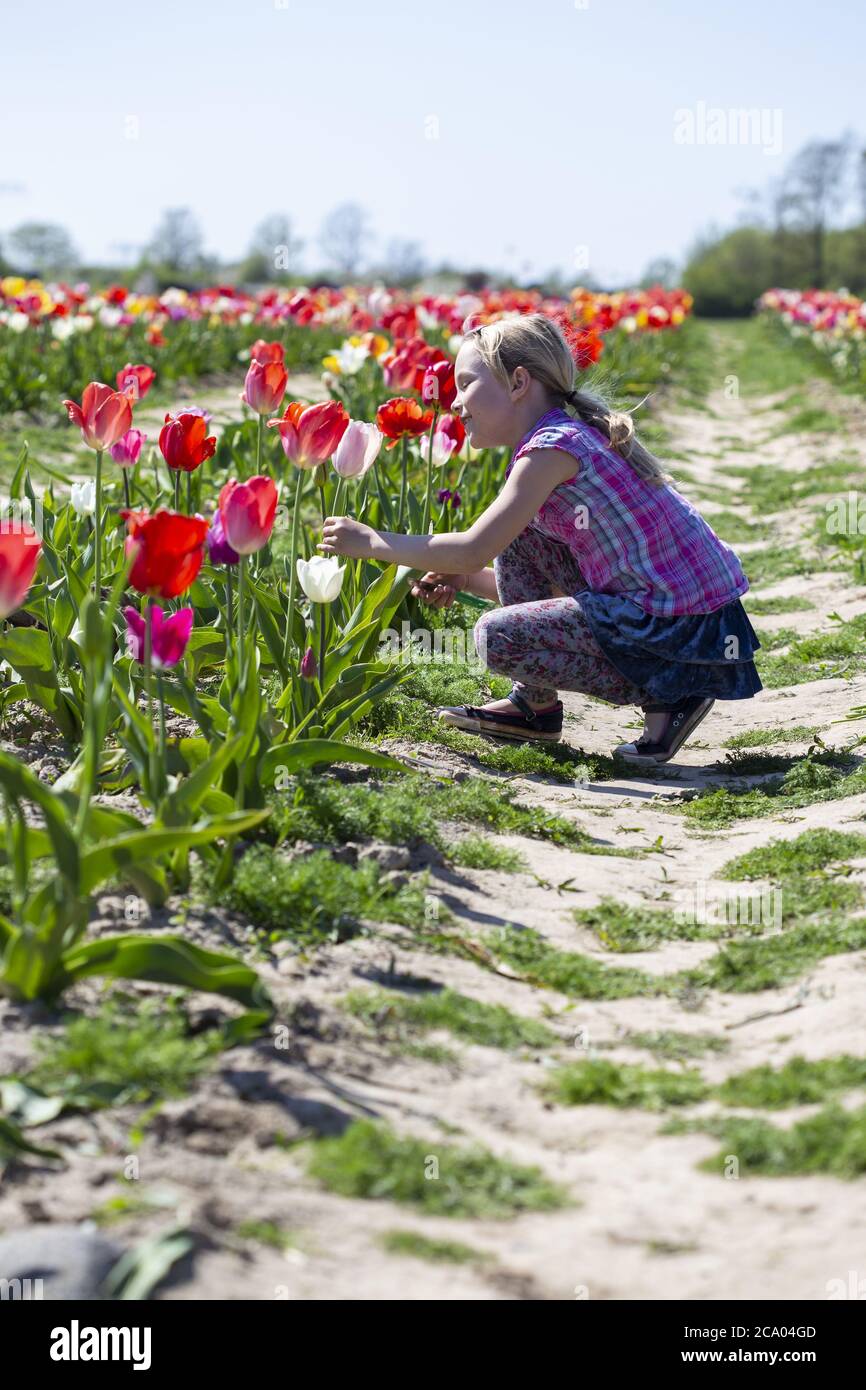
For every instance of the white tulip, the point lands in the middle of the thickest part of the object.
(18, 322)
(84, 497)
(61, 329)
(321, 578)
(351, 357)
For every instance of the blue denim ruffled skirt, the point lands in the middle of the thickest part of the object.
(705, 654)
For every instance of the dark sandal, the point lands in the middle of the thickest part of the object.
(528, 726)
(685, 718)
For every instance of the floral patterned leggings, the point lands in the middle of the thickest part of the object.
(543, 643)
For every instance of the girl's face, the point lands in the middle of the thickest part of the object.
(484, 405)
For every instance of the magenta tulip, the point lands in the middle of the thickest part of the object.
(168, 636)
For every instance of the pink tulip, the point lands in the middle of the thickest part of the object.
(265, 386)
(309, 669)
(247, 511)
(358, 449)
(104, 415)
(127, 450)
(168, 636)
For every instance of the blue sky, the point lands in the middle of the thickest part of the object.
(524, 136)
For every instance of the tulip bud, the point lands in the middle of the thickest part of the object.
(309, 669)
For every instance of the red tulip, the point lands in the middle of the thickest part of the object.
(266, 352)
(168, 550)
(103, 416)
(400, 416)
(438, 385)
(309, 434)
(247, 512)
(265, 386)
(20, 548)
(135, 381)
(185, 442)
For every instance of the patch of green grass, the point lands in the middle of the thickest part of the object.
(817, 777)
(766, 488)
(601, 1082)
(831, 1142)
(129, 1051)
(773, 563)
(408, 810)
(806, 853)
(480, 852)
(491, 1025)
(809, 420)
(840, 651)
(734, 528)
(743, 967)
(313, 897)
(411, 708)
(797, 1082)
(265, 1233)
(125, 1206)
(621, 927)
(370, 1160)
(766, 607)
(559, 762)
(420, 1247)
(671, 1045)
(762, 738)
(582, 977)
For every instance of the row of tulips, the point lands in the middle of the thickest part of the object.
(832, 323)
(53, 333)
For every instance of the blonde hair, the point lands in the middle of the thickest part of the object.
(536, 342)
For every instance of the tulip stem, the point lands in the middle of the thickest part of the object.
(177, 490)
(97, 582)
(338, 497)
(242, 565)
(425, 521)
(404, 480)
(148, 685)
(261, 431)
(322, 629)
(189, 494)
(162, 739)
(229, 606)
(293, 561)
(126, 496)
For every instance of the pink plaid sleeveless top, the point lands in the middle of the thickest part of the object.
(643, 541)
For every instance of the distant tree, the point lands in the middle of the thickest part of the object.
(177, 242)
(44, 247)
(816, 188)
(404, 262)
(273, 251)
(343, 235)
(662, 271)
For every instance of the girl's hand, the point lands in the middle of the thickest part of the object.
(343, 536)
(438, 590)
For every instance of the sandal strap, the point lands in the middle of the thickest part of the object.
(524, 706)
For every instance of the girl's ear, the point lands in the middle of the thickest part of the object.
(520, 379)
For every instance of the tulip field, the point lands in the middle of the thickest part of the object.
(244, 874)
(833, 324)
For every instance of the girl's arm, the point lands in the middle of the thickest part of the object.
(532, 479)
